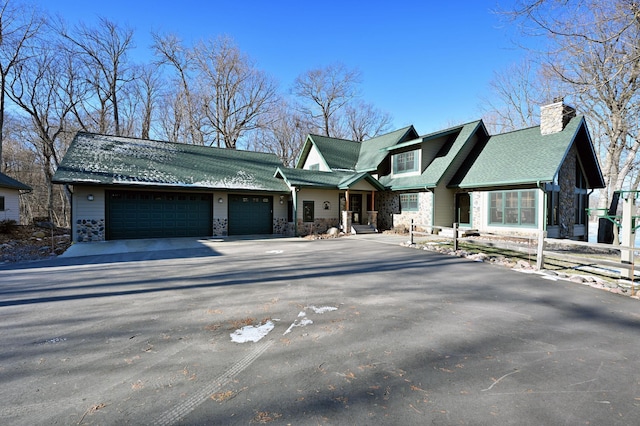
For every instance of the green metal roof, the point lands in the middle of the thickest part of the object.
(436, 170)
(524, 157)
(111, 160)
(325, 180)
(11, 183)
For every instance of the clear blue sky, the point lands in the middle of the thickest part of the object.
(427, 63)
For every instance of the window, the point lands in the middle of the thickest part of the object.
(307, 211)
(581, 197)
(406, 162)
(553, 208)
(1, 203)
(514, 208)
(409, 202)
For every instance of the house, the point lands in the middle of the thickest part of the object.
(519, 182)
(522, 182)
(10, 190)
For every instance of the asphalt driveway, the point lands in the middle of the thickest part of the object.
(353, 330)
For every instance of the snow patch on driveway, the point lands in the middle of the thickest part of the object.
(251, 333)
(306, 321)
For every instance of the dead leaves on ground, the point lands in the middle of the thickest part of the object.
(265, 417)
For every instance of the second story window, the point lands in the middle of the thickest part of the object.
(406, 162)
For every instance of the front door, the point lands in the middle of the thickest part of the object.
(355, 204)
(463, 208)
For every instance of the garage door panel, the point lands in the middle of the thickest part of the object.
(144, 214)
(250, 214)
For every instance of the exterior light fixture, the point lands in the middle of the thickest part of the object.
(90, 197)
(220, 200)
(282, 199)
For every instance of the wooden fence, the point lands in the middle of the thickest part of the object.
(539, 246)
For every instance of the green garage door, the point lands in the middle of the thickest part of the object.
(142, 214)
(250, 214)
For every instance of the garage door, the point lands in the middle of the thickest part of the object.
(250, 214)
(141, 214)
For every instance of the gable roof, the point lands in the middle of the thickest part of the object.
(373, 151)
(325, 180)
(446, 157)
(525, 157)
(344, 154)
(338, 154)
(11, 183)
(113, 160)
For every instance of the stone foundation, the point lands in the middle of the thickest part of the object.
(220, 227)
(90, 230)
(319, 226)
(280, 226)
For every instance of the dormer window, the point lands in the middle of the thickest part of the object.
(406, 162)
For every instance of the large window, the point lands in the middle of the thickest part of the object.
(409, 202)
(553, 208)
(513, 208)
(406, 162)
(581, 197)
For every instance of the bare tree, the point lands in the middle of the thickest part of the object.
(323, 93)
(364, 121)
(185, 104)
(19, 25)
(147, 92)
(236, 94)
(44, 89)
(103, 52)
(594, 49)
(284, 136)
(518, 91)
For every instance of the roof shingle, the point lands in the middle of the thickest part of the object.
(112, 160)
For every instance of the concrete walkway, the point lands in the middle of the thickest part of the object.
(100, 248)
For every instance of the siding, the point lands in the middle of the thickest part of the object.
(444, 207)
(314, 157)
(11, 204)
(87, 217)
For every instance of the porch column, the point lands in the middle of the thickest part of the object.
(372, 213)
(346, 221)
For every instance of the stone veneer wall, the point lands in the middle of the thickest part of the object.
(476, 210)
(567, 180)
(280, 226)
(90, 230)
(319, 226)
(390, 216)
(220, 227)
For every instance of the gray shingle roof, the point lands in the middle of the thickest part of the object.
(111, 160)
(11, 183)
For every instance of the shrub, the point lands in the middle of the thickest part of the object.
(7, 225)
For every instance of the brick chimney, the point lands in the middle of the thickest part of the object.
(554, 116)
